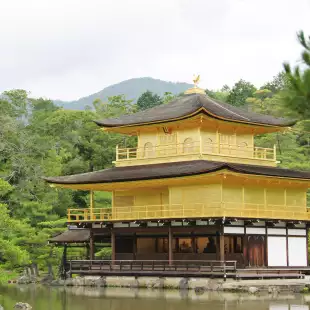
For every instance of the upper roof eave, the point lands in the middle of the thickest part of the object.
(189, 106)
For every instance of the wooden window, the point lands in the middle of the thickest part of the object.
(185, 245)
(233, 244)
(206, 244)
(146, 245)
(188, 146)
(162, 245)
(167, 139)
(123, 245)
(242, 145)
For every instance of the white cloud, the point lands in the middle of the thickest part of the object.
(67, 49)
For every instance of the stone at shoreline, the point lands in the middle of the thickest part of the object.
(58, 282)
(253, 290)
(273, 289)
(199, 290)
(47, 279)
(183, 285)
(22, 306)
(24, 280)
(1, 308)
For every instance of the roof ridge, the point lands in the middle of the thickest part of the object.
(221, 106)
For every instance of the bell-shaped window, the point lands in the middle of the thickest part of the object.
(188, 146)
(148, 150)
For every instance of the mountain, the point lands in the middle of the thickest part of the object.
(132, 89)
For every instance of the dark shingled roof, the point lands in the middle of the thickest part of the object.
(192, 104)
(170, 170)
(72, 236)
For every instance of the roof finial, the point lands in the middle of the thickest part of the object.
(195, 89)
(196, 80)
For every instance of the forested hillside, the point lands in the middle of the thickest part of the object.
(132, 88)
(38, 138)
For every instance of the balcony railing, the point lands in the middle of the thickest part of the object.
(196, 148)
(178, 211)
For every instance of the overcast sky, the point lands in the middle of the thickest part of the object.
(67, 49)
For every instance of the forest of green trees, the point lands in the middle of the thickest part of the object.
(37, 139)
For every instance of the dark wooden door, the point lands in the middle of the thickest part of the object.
(256, 246)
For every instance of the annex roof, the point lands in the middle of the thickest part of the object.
(190, 105)
(72, 236)
(172, 170)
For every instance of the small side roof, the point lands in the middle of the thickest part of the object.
(171, 170)
(72, 236)
(190, 105)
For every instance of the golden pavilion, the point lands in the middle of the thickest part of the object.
(196, 188)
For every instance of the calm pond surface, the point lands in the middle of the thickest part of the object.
(81, 298)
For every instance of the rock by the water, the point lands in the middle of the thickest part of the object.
(58, 282)
(22, 306)
(91, 281)
(253, 290)
(79, 281)
(273, 290)
(69, 282)
(1, 308)
(159, 283)
(47, 280)
(183, 285)
(101, 282)
(24, 280)
(199, 290)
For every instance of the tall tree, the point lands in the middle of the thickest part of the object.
(297, 97)
(148, 100)
(279, 83)
(240, 92)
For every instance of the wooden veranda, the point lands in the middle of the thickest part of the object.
(202, 269)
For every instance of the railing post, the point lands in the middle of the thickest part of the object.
(117, 152)
(91, 198)
(274, 152)
(127, 153)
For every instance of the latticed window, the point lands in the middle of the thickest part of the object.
(227, 144)
(188, 145)
(167, 143)
(148, 150)
(167, 139)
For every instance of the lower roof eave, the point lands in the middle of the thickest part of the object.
(224, 220)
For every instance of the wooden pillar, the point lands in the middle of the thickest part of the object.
(170, 253)
(113, 246)
(91, 247)
(134, 247)
(64, 255)
(194, 245)
(222, 244)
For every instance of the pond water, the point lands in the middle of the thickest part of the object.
(81, 298)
